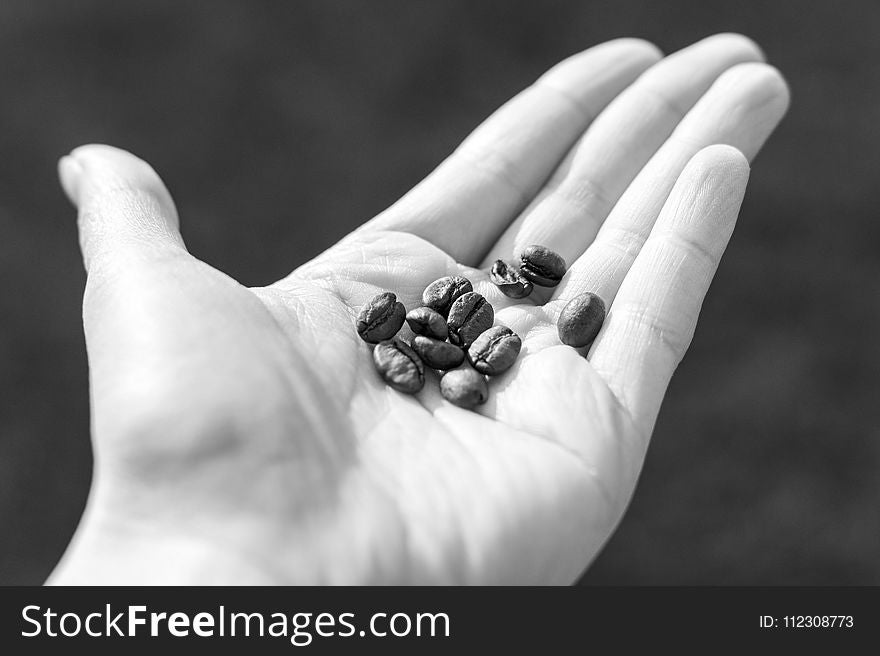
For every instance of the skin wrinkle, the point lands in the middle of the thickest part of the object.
(107, 170)
(502, 383)
(367, 239)
(586, 196)
(440, 415)
(99, 242)
(536, 320)
(280, 301)
(378, 485)
(384, 481)
(614, 382)
(467, 557)
(497, 168)
(384, 478)
(655, 96)
(586, 114)
(588, 469)
(353, 486)
(692, 247)
(626, 240)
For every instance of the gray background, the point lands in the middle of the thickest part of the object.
(279, 126)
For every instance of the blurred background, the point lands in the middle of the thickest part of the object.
(280, 126)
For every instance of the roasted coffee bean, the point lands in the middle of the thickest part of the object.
(437, 354)
(441, 294)
(464, 386)
(542, 266)
(469, 316)
(509, 280)
(495, 350)
(580, 319)
(380, 318)
(425, 321)
(399, 366)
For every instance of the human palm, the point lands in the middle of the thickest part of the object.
(242, 435)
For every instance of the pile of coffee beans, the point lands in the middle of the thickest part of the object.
(455, 332)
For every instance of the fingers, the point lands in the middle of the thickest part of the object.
(650, 325)
(567, 212)
(741, 109)
(466, 203)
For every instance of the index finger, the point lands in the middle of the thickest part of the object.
(468, 201)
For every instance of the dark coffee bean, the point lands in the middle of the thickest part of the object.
(580, 319)
(441, 294)
(469, 316)
(495, 350)
(509, 280)
(380, 318)
(542, 266)
(399, 366)
(425, 321)
(464, 386)
(437, 354)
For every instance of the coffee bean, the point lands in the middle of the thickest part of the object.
(425, 321)
(495, 350)
(437, 354)
(509, 280)
(542, 266)
(380, 318)
(580, 319)
(469, 316)
(441, 294)
(399, 366)
(464, 386)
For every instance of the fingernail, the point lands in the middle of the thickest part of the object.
(70, 173)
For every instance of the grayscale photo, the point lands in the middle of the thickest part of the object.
(419, 293)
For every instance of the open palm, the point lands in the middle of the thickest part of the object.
(242, 435)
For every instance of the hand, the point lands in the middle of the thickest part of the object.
(242, 435)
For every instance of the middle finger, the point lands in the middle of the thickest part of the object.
(566, 214)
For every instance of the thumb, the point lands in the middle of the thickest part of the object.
(164, 331)
(123, 205)
(128, 233)
(138, 304)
